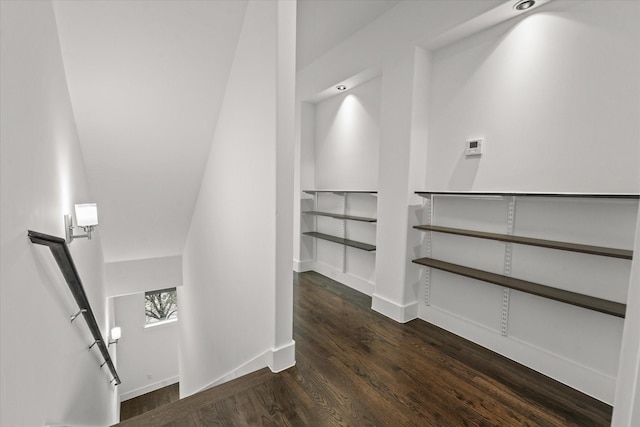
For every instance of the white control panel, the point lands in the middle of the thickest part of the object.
(473, 147)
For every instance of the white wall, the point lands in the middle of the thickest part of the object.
(347, 137)
(626, 411)
(555, 94)
(43, 358)
(147, 357)
(143, 275)
(227, 304)
(284, 347)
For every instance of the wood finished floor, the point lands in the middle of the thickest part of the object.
(356, 367)
(149, 401)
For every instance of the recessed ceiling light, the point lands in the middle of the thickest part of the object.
(341, 87)
(524, 4)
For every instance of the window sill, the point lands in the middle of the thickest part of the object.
(161, 323)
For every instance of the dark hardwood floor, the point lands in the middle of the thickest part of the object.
(149, 401)
(356, 367)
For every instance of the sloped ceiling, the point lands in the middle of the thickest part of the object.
(146, 80)
(323, 25)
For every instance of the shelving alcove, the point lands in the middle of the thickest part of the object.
(342, 240)
(506, 281)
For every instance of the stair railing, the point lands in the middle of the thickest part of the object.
(61, 254)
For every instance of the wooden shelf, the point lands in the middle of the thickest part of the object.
(532, 194)
(573, 247)
(342, 241)
(580, 300)
(340, 191)
(339, 216)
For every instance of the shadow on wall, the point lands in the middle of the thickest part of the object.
(465, 172)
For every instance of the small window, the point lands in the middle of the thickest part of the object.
(160, 306)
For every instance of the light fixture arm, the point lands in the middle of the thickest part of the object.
(69, 227)
(115, 334)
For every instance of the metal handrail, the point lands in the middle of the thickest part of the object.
(61, 254)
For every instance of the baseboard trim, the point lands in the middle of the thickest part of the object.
(283, 357)
(260, 361)
(277, 359)
(302, 266)
(148, 388)
(354, 282)
(593, 383)
(399, 313)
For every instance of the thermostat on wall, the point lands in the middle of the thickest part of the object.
(473, 147)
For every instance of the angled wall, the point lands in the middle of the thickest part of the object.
(233, 262)
(43, 358)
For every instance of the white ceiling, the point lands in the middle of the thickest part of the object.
(323, 24)
(146, 80)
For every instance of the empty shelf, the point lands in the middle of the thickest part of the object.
(573, 247)
(339, 216)
(580, 300)
(342, 241)
(532, 194)
(339, 191)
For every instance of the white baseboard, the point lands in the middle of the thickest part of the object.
(595, 384)
(283, 357)
(260, 361)
(399, 313)
(277, 360)
(354, 282)
(148, 388)
(302, 266)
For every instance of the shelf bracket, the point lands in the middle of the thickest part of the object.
(427, 203)
(315, 228)
(508, 249)
(344, 233)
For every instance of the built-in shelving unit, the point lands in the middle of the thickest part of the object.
(573, 298)
(565, 246)
(508, 282)
(340, 216)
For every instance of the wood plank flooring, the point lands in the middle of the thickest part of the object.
(356, 367)
(149, 401)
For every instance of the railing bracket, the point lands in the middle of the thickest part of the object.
(74, 316)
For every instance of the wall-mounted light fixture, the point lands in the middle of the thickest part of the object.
(116, 333)
(524, 5)
(86, 218)
(341, 88)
